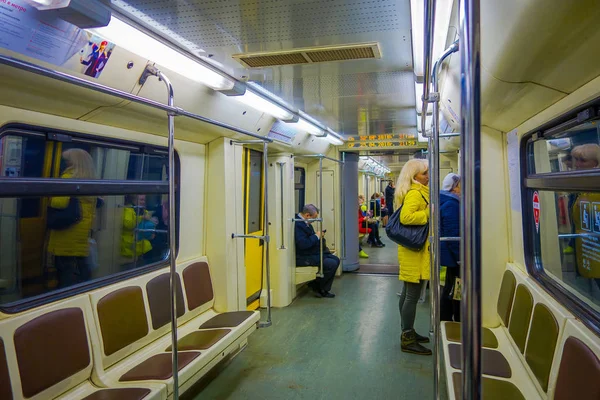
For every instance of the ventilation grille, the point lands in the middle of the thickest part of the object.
(310, 55)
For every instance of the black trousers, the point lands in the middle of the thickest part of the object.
(450, 309)
(330, 265)
(374, 234)
(71, 270)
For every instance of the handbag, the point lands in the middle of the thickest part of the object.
(413, 237)
(63, 218)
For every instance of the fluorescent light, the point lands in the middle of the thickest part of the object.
(333, 138)
(48, 4)
(443, 12)
(255, 101)
(419, 96)
(306, 126)
(417, 19)
(134, 40)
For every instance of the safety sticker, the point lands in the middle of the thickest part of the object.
(536, 210)
(586, 216)
(596, 211)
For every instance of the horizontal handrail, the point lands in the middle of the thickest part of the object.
(449, 239)
(578, 235)
(152, 230)
(306, 220)
(61, 76)
(322, 156)
(244, 236)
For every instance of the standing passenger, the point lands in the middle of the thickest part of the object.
(413, 196)
(308, 252)
(450, 251)
(389, 197)
(70, 246)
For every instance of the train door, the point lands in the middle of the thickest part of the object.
(253, 209)
(329, 206)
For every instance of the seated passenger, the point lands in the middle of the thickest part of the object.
(450, 251)
(308, 252)
(365, 225)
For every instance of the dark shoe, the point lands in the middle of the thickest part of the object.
(313, 286)
(380, 243)
(327, 295)
(421, 339)
(410, 345)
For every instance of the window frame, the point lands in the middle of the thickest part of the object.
(567, 181)
(47, 187)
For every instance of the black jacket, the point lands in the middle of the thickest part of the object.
(449, 226)
(389, 198)
(307, 243)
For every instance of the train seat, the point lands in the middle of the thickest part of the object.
(46, 354)
(532, 331)
(306, 274)
(141, 353)
(452, 331)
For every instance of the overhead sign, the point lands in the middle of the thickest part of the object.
(386, 140)
(536, 210)
(382, 137)
(378, 145)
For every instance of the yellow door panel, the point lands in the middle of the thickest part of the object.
(253, 214)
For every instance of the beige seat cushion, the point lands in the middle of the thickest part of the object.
(158, 367)
(119, 394)
(227, 320)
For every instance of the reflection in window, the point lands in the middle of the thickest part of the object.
(93, 237)
(576, 150)
(569, 245)
(58, 242)
(566, 232)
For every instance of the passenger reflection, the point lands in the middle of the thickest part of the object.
(586, 156)
(138, 226)
(70, 222)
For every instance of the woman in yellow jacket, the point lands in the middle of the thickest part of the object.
(134, 246)
(412, 194)
(70, 247)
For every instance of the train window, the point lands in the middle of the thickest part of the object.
(299, 188)
(561, 211)
(54, 246)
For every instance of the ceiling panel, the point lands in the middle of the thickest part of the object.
(352, 97)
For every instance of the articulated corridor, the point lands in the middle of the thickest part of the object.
(342, 348)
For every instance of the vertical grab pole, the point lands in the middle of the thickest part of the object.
(470, 249)
(281, 166)
(434, 191)
(268, 322)
(321, 221)
(343, 210)
(172, 245)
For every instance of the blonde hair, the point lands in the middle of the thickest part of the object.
(407, 177)
(590, 151)
(80, 163)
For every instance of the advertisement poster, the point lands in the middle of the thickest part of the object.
(25, 30)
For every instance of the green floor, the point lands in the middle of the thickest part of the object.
(381, 259)
(342, 348)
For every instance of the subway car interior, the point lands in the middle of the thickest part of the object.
(299, 199)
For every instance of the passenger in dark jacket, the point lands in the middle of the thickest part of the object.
(307, 252)
(390, 190)
(450, 251)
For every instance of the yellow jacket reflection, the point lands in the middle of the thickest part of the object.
(73, 241)
(128, 243)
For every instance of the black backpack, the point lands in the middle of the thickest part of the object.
(63, 218)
